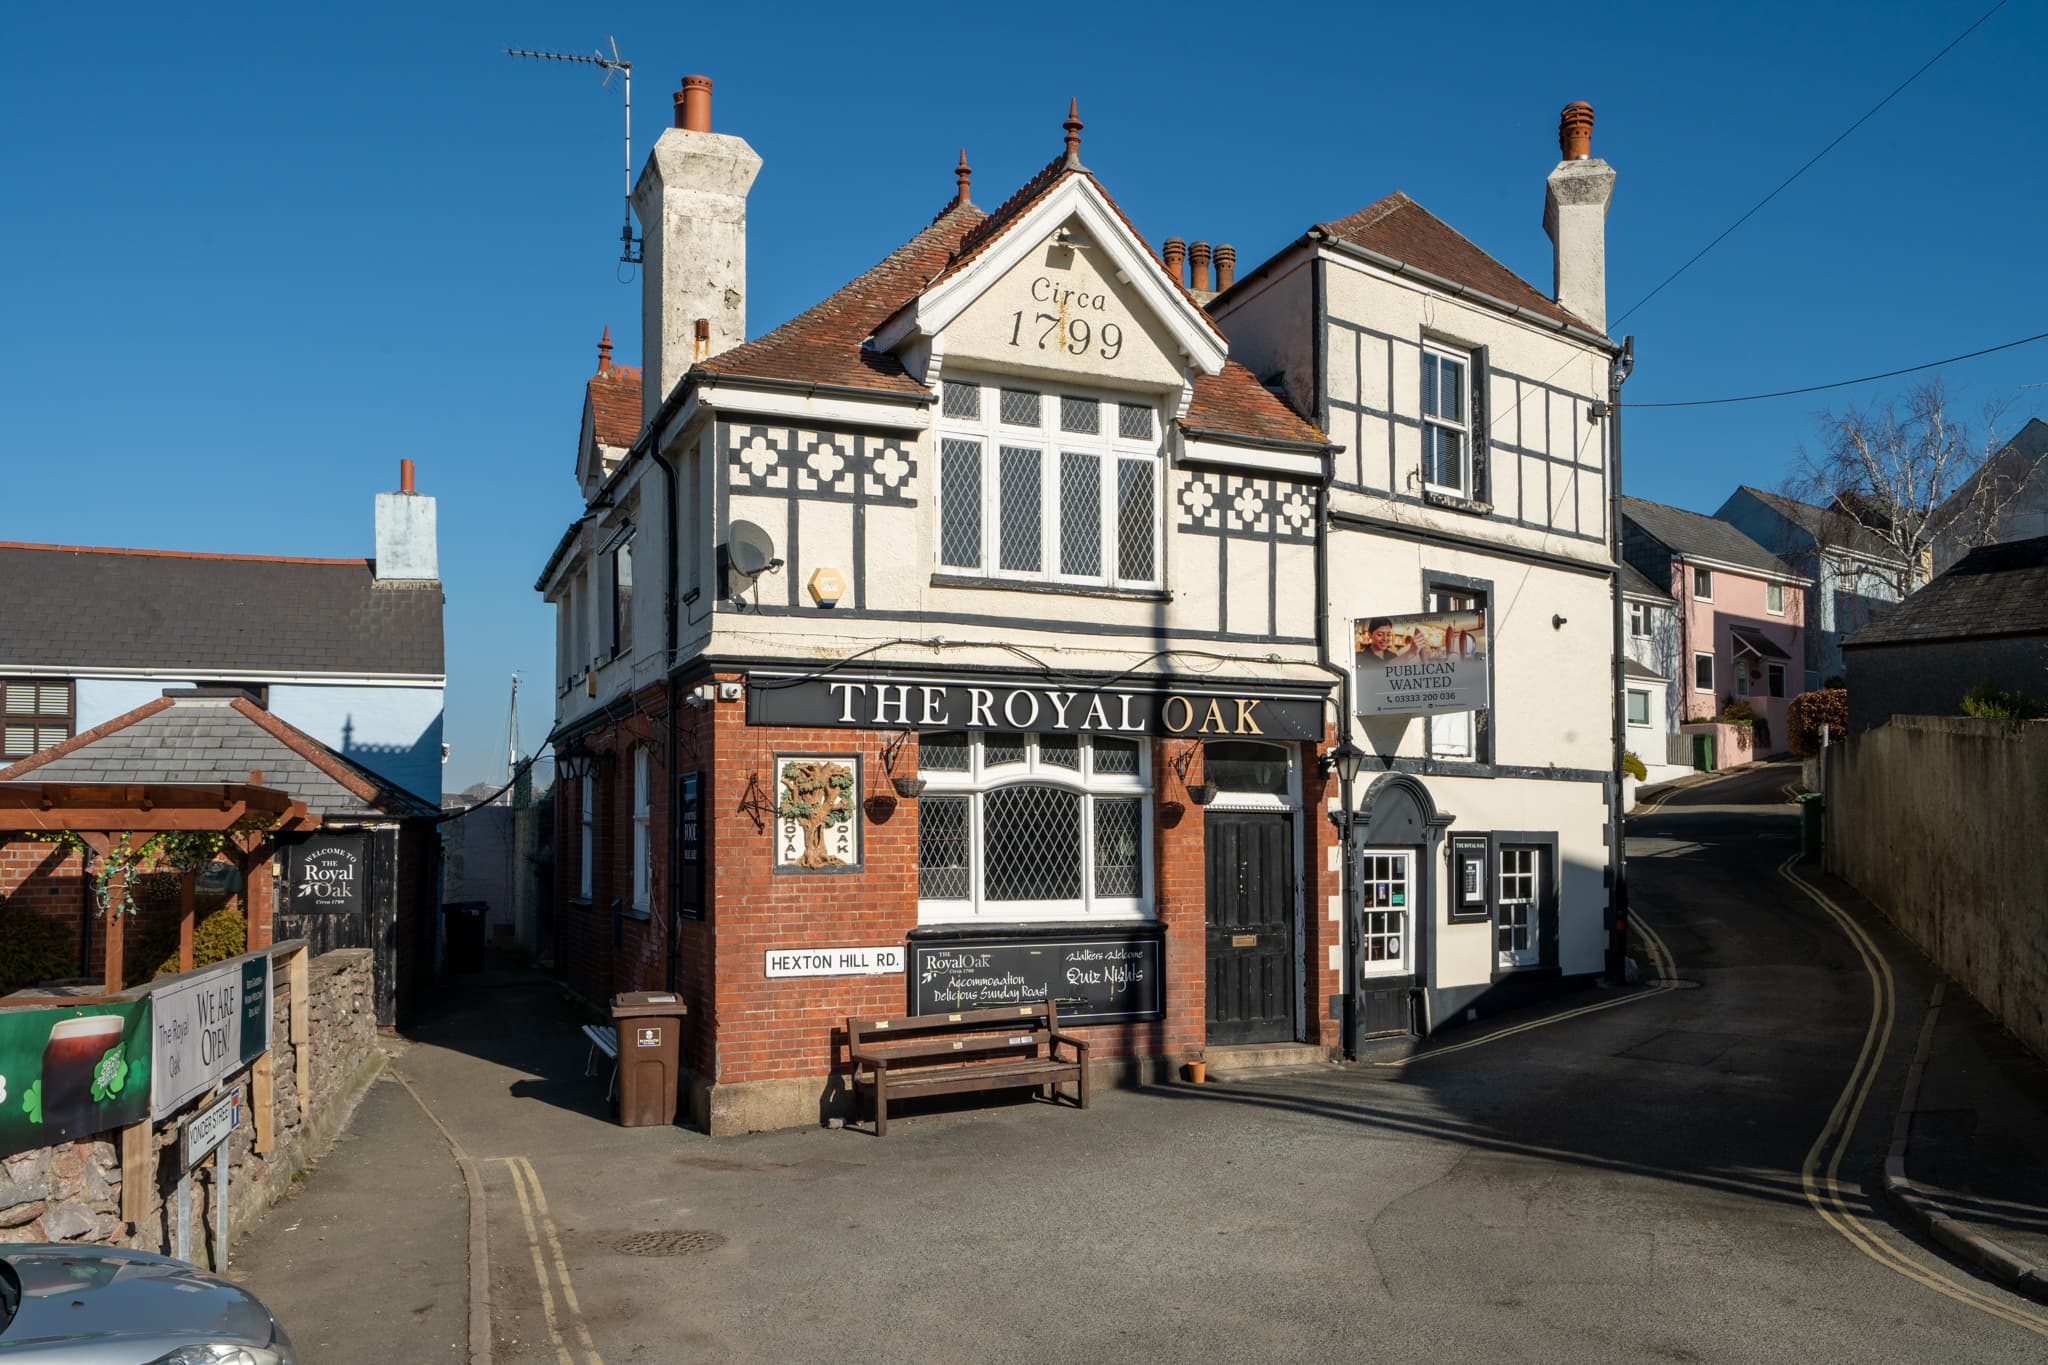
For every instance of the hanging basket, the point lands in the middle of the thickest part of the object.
(1201, 793)
(909, 788)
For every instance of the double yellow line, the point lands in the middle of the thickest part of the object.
(533, 1207)
(1818, 1175)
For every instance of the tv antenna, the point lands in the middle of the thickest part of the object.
(629, 245)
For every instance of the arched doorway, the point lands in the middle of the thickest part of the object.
(1395, 835)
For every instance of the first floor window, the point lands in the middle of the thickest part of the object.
(1639, 620)
(1459, 734)
(1638, 707)
(1774, 675)
(38, 715)
(619, 634)
(1057, 487)
(1446, 421)
(1516, 928)
(1703, 672)
(1703, 584)
(642, 819)
(1384, 888)
(1774, 598)
(587, 798)
(1021, 826)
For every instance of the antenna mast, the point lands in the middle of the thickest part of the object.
(629, 248)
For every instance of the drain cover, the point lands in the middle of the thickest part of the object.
(684, 1242)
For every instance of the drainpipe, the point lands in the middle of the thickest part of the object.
(1617, 861)
(668, 631)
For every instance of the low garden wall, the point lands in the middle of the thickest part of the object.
(1734, 745)
(75, 1191)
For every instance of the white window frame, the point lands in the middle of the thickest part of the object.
(1639, 620)
(1455, 734)
(1461, 422)
(1372, 932)
(1107, 444)
(1696, 658)
(1774, 590)
(1519, 866)
(1638, 694)
(982, 778)
(643, 815)
(1702, 574)
(586, 800)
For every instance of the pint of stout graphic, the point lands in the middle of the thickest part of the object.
(74, 1049)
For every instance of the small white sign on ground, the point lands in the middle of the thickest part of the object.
(834, 961)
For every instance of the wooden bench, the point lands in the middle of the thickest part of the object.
(936, 1054)
(603, 1038)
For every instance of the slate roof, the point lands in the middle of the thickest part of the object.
(76, 608)
(218, 739)
(825, 344)
(1830, 528)
(1996, 590)
(1635, 583)
(1399, 227)
(1692, 535)
(1631, 668)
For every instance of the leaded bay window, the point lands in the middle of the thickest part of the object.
(1051, 487)
(1014, 826)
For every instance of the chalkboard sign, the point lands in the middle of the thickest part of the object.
(325, 875)
(1094, 980)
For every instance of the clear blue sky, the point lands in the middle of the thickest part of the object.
(255, 255)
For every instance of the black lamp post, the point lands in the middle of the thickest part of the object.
(1345, 761)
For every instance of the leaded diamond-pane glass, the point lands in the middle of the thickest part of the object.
(1019, 525)
(1117, 756)
(1019, 408)
(1059, 751)
(1135, 560)
(1080, 414)
(999, 747)
(942, 847)
(1134, 422)
(944, 751)
(1080, 513)
(1116, 847)
(960, 504)
(962, 400)
(1032, 835)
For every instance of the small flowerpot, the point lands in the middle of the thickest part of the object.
(1197, 1072)
(1201, 793)
(909, 788)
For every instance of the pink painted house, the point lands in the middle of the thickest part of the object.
(1741, 627)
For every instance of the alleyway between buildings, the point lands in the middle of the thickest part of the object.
(1628, 1175)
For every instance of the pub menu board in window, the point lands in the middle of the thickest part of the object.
(1095, 980)
(326, 875)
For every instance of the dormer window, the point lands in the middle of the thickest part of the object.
(1048, 486)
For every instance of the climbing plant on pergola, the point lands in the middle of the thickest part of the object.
(119, 824)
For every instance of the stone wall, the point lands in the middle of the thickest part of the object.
(72, 1192)
(1937, 820)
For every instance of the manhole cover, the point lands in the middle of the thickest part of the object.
(1676, 983)
(687, 1242)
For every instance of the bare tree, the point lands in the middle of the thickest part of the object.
(1910, 474)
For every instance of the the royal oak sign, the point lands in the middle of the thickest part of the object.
(1032, 706)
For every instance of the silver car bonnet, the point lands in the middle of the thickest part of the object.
(83, 1306)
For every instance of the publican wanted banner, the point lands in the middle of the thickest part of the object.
(1419, 664)
(70, 1073)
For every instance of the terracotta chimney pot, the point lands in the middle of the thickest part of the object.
(1575, 131)
(703, 338)
(693, 104)
(405, 476)
(1226, 267)
(1198, 255)
(1176, 255)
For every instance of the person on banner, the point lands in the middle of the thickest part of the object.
(1380, 642)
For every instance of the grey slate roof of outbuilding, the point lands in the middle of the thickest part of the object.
(211, 739)
(75, 608)
(1695, 536)
(1992, 591)
(1634, 583)
(1631, 668)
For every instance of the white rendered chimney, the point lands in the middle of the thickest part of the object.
(1575, 215)
(405, 533)
(692, 206)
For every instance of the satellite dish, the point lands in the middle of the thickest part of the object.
(749, 551)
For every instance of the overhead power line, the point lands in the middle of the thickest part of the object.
(1843, 383)
(1808, 166)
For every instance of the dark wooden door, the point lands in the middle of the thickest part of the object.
(1250, 928)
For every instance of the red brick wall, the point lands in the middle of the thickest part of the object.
(1319, 884)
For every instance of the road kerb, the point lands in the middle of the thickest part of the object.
(479, 1235)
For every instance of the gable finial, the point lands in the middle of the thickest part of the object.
(604, 351)
(1073, 127)
(962, 175)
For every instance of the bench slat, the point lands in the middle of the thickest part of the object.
(950, 1047)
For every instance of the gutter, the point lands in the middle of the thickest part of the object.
(1322, 449)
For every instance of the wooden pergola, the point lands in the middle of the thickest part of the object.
(101, 813)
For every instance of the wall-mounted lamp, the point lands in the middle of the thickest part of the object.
(573, 761)
(1345, 760)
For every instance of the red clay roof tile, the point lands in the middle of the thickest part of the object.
(615, 405)
(1237, 403)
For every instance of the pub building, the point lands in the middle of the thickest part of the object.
(961, 641)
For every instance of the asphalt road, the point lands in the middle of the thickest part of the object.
(1642, 1177)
